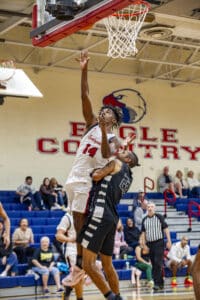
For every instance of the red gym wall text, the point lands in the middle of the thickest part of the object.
(164, 146)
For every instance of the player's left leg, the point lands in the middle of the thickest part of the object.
(110, 273)
(89, 265)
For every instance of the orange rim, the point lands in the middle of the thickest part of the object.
(147, 6)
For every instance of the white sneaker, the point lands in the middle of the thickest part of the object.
(58, 206)
(55, 207)
(3, 274)
(150, 284)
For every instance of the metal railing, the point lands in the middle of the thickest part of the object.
(146, 184)
(168, 200)
(192, 213)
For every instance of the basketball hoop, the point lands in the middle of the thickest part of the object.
(7, 71)
(123, 28)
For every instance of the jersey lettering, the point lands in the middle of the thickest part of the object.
(91, 151)
(125, 184)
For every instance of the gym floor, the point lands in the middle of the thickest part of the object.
(168, 293)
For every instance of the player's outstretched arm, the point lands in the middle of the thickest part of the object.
(87, 110)
(99, 174)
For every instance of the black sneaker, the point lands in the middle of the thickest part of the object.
(46, 291)
(118, 297)
(161, 287)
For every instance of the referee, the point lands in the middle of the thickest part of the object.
(153, 229)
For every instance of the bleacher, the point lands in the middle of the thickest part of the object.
(45, 222)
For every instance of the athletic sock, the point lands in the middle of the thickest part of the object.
(68, 290)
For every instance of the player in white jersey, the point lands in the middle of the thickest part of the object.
(89, 155)
(87, 159)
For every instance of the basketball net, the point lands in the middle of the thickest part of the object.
(123, 28)
(7, 71)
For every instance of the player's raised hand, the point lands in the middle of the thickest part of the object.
(83, 59)
(129, 139)
(101, 120)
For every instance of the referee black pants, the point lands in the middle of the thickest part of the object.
(157, 255)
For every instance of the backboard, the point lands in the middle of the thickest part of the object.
(17, 85)
(48, 29)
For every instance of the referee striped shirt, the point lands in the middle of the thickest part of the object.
(153, 227)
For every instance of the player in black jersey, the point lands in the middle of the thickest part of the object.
(97, 235)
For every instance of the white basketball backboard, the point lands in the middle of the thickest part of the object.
(19, 85)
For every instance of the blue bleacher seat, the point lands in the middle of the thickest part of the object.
(56, 213)
(27, 214)
(53, 221)
(35, 245)
(150, 195)
(15, 221)
(27, 280)
(38, 221)
(127, 214)
(37, 229)
(124, 220)
(155, 195)
(182, 207)
(42, 214)
(173, 235)
(17, 206)
(14, 214)
(7, 193)
(182, 201)
(7, 206)
(119, 263)
(50, 229)
(22, 269)
(125, 274)
(8, 282)
(193, 250)
(122, 207)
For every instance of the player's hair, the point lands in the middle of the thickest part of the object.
(134, 159)
(117, 112)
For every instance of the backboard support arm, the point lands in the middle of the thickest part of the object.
(48, 34)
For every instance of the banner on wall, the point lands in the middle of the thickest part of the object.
(134, 107)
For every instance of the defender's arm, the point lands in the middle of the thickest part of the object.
(101, 173)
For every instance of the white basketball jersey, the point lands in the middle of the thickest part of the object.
(88, 156)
